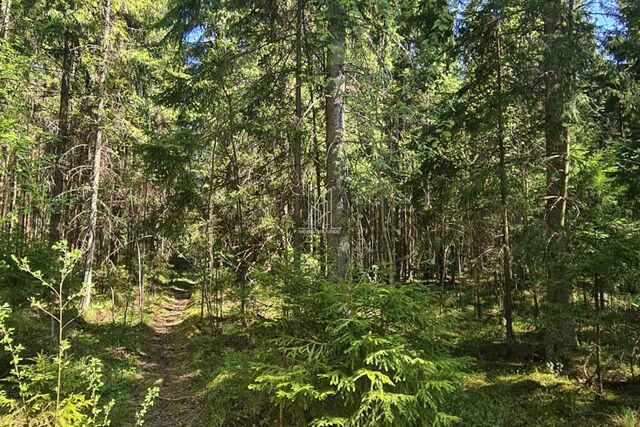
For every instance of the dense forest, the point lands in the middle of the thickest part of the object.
(319, 213)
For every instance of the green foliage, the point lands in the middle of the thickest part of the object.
(30, 399)
(360, 354)
(626, 418)
(56, 389)
(201, 140)
(228, 401)
(149, 399)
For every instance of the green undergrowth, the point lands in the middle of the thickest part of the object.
(499, 388)
(511, 388)
(513, 395)
(121, 344)
(223, 354)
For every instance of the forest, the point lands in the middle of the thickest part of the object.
(355, 213)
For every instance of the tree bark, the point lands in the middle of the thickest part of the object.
(61, 143)
(507, 275)
(140, 276)
(296, 146)
(97, 162)
(560, 334)
(598, 286)
(7, 176)
(6, 18)
(338, 240)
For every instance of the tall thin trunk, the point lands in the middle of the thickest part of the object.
(97, 162)
(477, 303)
(337, 241)
(61, 143)
(140, 257)
(442, 270)
(536, 304)
(5, 150)
(207, 284)
(8, 178)
(296, 146)
(507, 275)
(6, 18)
(598, 286)
(560, 334)
(317, 163)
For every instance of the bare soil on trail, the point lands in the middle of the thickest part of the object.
(166, 362)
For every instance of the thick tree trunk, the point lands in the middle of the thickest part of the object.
(507, 274)
(560, 334)
(97, 162)
(338, 240)
(61, 143)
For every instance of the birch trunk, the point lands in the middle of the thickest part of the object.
(6, 18)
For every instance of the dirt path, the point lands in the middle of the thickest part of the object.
(166, 362)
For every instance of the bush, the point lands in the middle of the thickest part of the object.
(55, 390)
(358, 354)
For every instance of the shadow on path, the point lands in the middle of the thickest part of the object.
(166, 361)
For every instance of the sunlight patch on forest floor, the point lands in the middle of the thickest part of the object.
(165, 361)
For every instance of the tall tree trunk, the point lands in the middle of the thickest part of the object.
(6, 18)
(477, 302)
(97, 162)
(296, 147)
(208, 283)
(61, 143)
(560, 334)
(507, 275)
(140, 276)
(8, 178)
(338, 240)
(5, 150)
(598, 286)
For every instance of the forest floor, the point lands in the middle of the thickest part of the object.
(204, 373)
(165, 360)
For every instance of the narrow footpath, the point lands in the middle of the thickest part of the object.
(166, 362)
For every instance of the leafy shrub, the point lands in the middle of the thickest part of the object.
(55, 390)
(36, 397)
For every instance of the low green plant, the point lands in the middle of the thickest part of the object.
(626, 418)
(359, 354)
(36, 396)
(149, 400)
(55, 389)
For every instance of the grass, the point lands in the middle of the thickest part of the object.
(517, 388)
(223, 360)
(501, 389)
(121, 347)
(626, 418)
